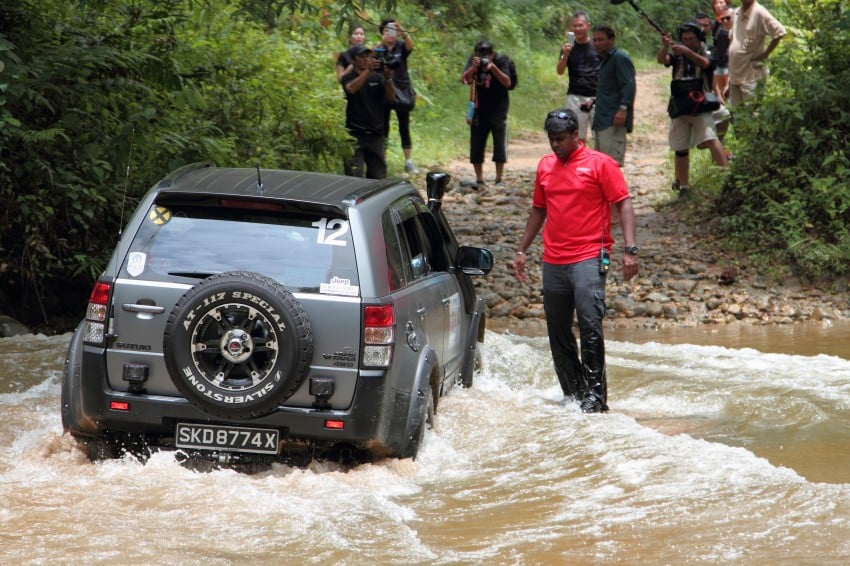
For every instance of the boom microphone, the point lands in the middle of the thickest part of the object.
(655, 26)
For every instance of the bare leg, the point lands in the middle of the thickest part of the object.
(683, 169)
(718, 153)
(479, 175)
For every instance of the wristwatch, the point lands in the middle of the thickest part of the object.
(633, 250)
(623, 107)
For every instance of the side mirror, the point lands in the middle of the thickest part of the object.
(474, 261)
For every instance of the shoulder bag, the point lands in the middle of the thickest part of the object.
(688, 97)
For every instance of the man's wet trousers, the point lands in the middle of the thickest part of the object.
(576, 292)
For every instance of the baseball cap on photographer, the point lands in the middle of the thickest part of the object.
(561, 120)
(356, 50)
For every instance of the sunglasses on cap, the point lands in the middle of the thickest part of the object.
(558, 115)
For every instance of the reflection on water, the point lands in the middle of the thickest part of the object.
(717, 449)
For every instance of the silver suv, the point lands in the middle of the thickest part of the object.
(249, 314)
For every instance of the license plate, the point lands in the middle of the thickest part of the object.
(227, 438)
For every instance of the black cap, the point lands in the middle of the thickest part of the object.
(356, 50)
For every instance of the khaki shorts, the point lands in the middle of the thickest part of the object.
(738, 92)
(585, 119)
(689, 131)
(613, 142)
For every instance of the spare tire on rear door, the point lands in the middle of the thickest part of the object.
(238, 344)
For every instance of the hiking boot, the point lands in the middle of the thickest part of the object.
(410, 167)
(500, 183)
(684, 192)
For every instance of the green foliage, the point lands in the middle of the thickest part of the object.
(101, 98)
(794, 192)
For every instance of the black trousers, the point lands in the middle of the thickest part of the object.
(369, 159)
(576, 292)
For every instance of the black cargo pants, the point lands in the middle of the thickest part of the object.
(570, 292)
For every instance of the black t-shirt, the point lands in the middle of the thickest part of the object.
(399, 54)
(493, 98)
(583, 67)
(720, 53)
(364, 111)
(343, 59)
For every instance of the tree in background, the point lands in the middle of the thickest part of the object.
(98, 100)
(101, 98)
(788, 189)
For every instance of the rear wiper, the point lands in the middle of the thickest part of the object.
(192, 274)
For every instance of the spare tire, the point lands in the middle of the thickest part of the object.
(237, 345)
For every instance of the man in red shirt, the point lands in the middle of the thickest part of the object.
(574, 191)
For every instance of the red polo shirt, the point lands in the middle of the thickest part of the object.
(577, 196)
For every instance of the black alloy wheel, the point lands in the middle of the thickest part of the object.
(238, 344)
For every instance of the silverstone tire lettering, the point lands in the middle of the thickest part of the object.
(237, 345)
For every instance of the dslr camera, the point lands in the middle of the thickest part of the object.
(483, 62)
(587, 105)
(387, 59)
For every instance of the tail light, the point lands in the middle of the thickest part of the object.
(97, 314)
(378, 335)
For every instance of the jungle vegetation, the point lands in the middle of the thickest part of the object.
(101, 98)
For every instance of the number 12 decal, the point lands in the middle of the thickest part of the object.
(331, 231)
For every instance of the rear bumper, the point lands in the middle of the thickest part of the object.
(156, 416)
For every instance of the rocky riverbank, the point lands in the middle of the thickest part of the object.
(684, 280)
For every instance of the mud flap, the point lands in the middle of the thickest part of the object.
(409, 408)
(74, 419)
(474, 334)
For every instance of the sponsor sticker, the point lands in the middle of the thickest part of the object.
(136, 263)
(339, 286)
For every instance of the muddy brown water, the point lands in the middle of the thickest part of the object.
(723, 445)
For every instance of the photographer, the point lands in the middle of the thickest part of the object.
(491, 75)
(692, 102)
(581, 60)
(394, 54)
(368, 94)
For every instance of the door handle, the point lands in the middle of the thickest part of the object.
(150, 309)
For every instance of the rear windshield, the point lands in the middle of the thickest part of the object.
(304, 252)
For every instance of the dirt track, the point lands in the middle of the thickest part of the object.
(681, 280)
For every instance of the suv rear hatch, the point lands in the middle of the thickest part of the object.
(309, 252)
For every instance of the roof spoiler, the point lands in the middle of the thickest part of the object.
(170, 179)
